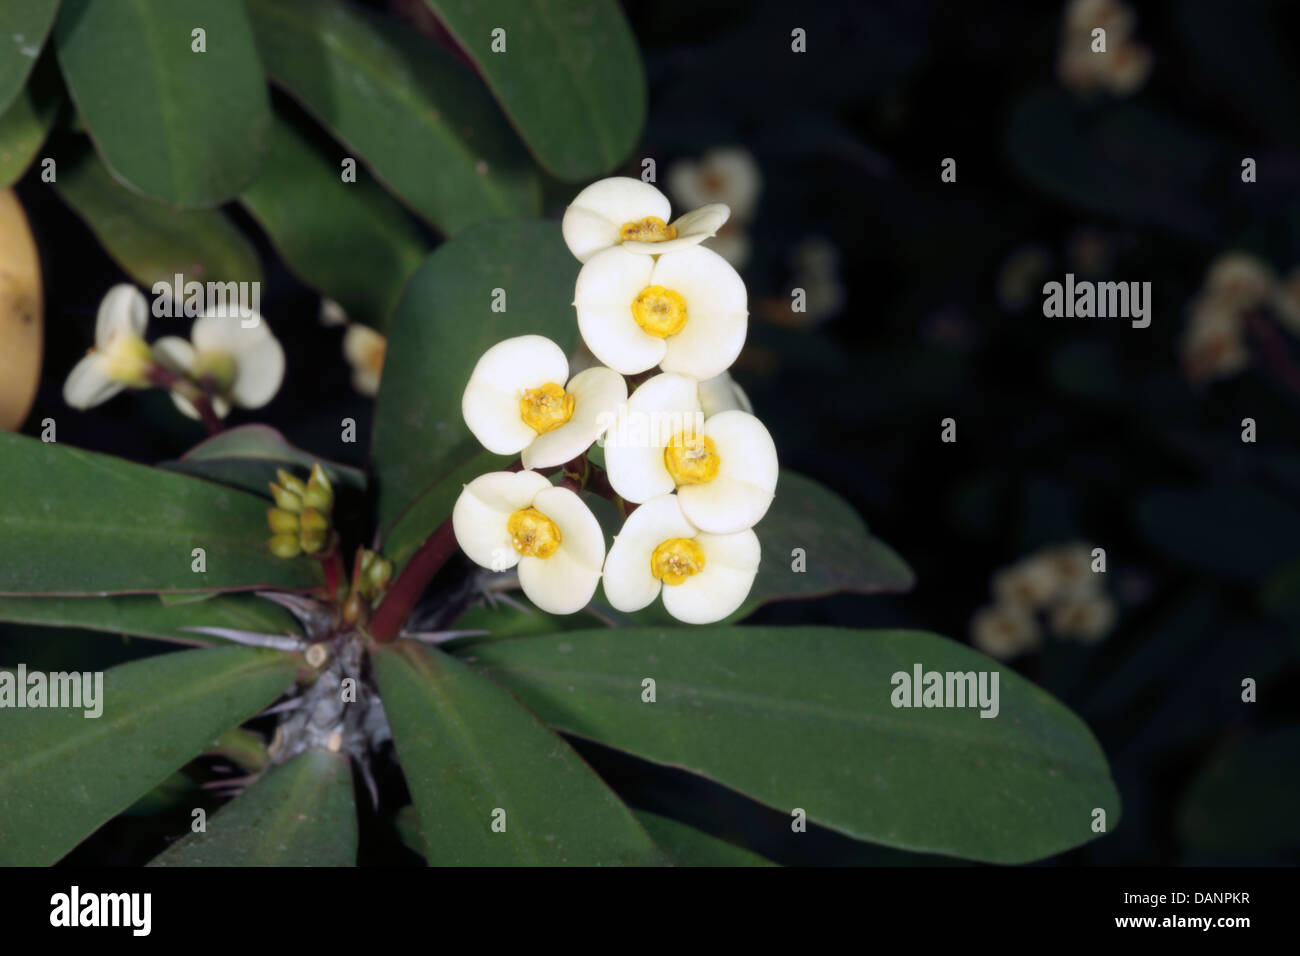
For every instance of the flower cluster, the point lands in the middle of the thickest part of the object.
(228, 359)
(1057, 583)
(301, 521)
(1213, 344)
(1121, 68)
(685, 458)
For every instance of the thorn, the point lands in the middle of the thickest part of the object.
(279, 642)
(439, 637)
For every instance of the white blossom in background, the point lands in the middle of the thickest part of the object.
(1005, 631)
(235, 359)
(508, 519)
(727, 175)
(365, 350)
(1124, 66)
(120, 357)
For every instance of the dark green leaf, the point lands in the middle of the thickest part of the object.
(182, 126)
(423, 124)
(570, 77)
(442, 327)
(687, 846)
(804, 718)
(26, 121)
(76, 523)
(350, 241)
(24, 25)
(62, 774)
(151, 241)
(298, 814)
(469, 750)
(248, 456)
(143, 615)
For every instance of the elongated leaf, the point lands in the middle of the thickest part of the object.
(687, 846)
(350, 241)
(151, 241)
(803, 718)
(174, 123)
(76, 523)
(443, 325)
(143, 615)
(26, 122)
(569, 77)
(248, 456)
(23, 28)
(62, 775)
(469, 750)
(299, 814)
(423, 124)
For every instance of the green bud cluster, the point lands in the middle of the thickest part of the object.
(301, 521)
(376, 573)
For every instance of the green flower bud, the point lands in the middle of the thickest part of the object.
(281, 521)
(313, 541)
(313, 520)
(379, 574)
(319, 493)
(284, 545)
(367, 559)
(286, 499)
(289, 481)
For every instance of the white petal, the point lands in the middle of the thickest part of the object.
(482, 510)
(88, 384)
(629, 585)
(360, 343)
(616, 200)
(659, 410)
(716, 316)
(224, 333)
(722, 394)
(597, 394)
(500, 378)
(607, 285)
(259, 371)
(692, 229)
(730, 564)
(741, 492)
(174, 353)
(565, 582)
(220, 407)
(123, 309)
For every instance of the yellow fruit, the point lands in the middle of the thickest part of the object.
(21, 312)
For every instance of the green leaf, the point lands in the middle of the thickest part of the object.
(62, 775)
(423, 124)
(23, 29)
(143, 615)
(443, 325)
(687, 846)
(570, 78)
(26, 122)
(299, 814)
(468, 750)
(182, 126)
(804, 718)
(1239, 531)
(77, 523)
(350, 241)
(247, 457)
(151, 241)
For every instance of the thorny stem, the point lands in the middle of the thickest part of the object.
(165, 378)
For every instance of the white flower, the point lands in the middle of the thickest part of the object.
(633, 215)
(238, 364)
(1213, 345)
(364, 348)
(684, 311)
(1084, 619)
(507, 518)
(331, 313)
(703, 577)
(724, 470)
(1004, 631)
(516, 401)
(1029, 583)
(725, 175)
(1239, 280)
(120, 357)
(722, 394)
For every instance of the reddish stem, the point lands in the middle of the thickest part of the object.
(166, 378)
(406, 589)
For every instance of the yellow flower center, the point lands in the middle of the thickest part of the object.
(533, 534)
(660, 312)
(127, 359)
(546, 408)
(215, 368)
(691, 459)
(649, 229)
(676, 559)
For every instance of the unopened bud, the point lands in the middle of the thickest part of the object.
(286, 499)
(313, 541)
(379, 574)
(289, 481)
(285, 545)
(313, 520)
(319, 493)
(281, 521)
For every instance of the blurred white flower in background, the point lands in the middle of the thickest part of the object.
(1124, 66)
(726, 175)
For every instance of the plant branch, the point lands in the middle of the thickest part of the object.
(406, 589)
(165, 378)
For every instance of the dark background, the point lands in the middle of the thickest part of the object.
(1067, 428)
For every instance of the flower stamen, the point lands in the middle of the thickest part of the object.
(649, 229)
(691, 459)
(533, 534)
(660, 312)
(676, 559)
(546, 408)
